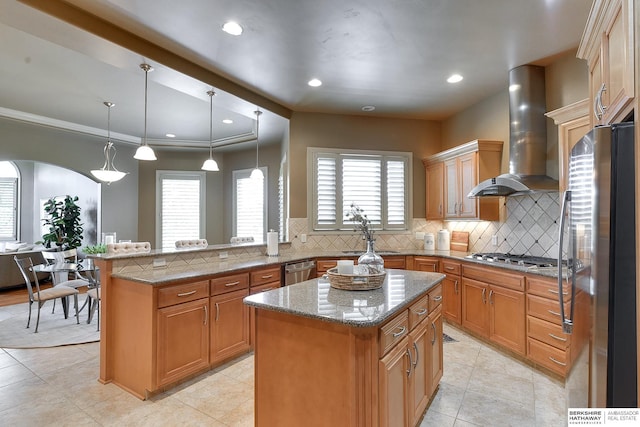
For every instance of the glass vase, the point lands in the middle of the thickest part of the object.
(370, 262)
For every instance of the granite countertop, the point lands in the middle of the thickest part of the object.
(163, 276)
(316, 299)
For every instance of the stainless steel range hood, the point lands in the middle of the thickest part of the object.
(527, 139)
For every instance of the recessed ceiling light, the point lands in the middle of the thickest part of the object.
(368, 108)
(454, 78)
(314, 83)
(227, 121)
(170, 135)
(232, 28)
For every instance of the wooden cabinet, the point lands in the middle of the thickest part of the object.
(183, 340)
(463, 168)
(229, 317)
(493, 306)
(608, 46)
(394, 386)
(395, 261)
(451, 291)
(436, 354)
(434, 175)
(421, 263)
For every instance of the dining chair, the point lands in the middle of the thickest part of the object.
(43, 295)
(62, 277)
(93, 298)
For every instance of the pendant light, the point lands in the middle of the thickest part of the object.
(210, 164)
(144, 152)
(108, 173)
(257, 173)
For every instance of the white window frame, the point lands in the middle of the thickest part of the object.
(242, 174)
(16, 207)
(313, 153)
(187, 175)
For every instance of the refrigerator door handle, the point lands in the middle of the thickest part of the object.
(567, 324)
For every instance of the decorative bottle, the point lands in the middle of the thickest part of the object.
(370, 261)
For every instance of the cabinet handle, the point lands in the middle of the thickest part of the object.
(449, 268)
(558, 338)
(598, 108)
(455, 208)
(556, 292)
(267, 289)
(186, 294)
(422, 312)
(268, 276)
(484, 295)
(400, 332)
(557, 362)
(438, 298)
(415, 347)
(455, 287)
(217, 311)
(490, 295)
(440, 209)
(555, 313)
(410, 363)
(206, 314)
(433, 328)
(231, 284)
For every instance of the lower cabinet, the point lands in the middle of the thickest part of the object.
(183, 340)
(451, 292)
(229, 325)
(421, 263)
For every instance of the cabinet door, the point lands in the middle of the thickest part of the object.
(467, 208)
(475, 315)
(183, 340)
(435, 190)
(426, 264)
(420, 386)
(452, 301)
(435, 342)
(451, 186)
(229, 325)
(507, 318)
(393, 371)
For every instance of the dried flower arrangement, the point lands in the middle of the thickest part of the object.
(360, 222)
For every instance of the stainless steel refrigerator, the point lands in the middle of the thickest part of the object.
(599, 206)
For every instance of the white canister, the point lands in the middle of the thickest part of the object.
(443, 242)
(429, 242)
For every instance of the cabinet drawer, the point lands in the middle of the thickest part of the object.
(177, 294)
(419, 310)
(263, 288)
(545, 308)
(268, 275)
(548, 333)
(234, 282)
(435, 297)
(547, 288)
(494, 276)
(449, 267)
(395, 262)
(322, 265)
(393, 331)
(547, 356)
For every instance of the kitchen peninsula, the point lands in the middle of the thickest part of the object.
(350, 358)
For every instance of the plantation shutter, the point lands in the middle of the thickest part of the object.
(362, 186)
(8, 208)
(396, 194)
(249, 206)
(326, 200)
(181, 206)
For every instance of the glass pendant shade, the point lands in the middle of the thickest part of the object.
(108, 173)
(144, 152)
(210, 164)
(256, 174)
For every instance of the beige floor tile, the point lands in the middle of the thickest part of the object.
(484, 410)
(456, 374)
(46, 360)
(434, 418)
(448, 399)
(13, 374)
(492, 359)
(6, 359)
(502, 385)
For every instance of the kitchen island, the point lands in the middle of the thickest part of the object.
(327, 356)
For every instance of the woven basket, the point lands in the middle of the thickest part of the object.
(355, 282)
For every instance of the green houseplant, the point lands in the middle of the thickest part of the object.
(65, 228)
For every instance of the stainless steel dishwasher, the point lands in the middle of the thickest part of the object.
(298, 271)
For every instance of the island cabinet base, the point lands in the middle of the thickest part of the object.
(314, 372)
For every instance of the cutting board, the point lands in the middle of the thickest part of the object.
(460, 241)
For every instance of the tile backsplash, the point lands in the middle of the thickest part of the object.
(530, 227)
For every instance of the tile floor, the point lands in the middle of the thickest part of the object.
(57, 386)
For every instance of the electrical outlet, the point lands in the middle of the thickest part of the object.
(303, 238)
(159, 262)
(223, 255)
(494, 240)
(419, 235)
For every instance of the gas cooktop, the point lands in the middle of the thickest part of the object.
(514, 259)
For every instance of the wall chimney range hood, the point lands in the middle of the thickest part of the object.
(527, 139)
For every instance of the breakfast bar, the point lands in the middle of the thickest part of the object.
(350, 358)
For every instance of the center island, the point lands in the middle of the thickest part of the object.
(326, 356)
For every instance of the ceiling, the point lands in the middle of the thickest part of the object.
(392, 54)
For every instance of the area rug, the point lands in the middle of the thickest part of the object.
(447, 338)
(54, 329)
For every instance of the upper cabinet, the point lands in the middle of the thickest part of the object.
(607, 45)
(453, 173)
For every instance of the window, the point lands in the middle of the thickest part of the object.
(249, 205)
(180, 207)
(378, 182)
(8, 201)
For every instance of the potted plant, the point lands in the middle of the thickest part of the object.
(65, 228)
